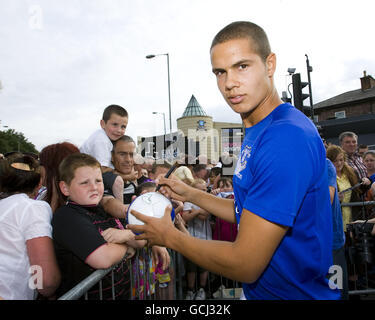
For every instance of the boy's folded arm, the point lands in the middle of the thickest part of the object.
(136, 244)
(114, 235)
(106, 255)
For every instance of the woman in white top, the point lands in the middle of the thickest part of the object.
(27, 259)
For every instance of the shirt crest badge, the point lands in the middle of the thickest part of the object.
(242, 161)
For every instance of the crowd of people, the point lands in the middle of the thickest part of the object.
(350, 180)
(64, 212)
(83, 195)
(76, 203)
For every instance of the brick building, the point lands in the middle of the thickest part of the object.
(350, 111)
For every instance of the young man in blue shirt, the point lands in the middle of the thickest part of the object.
(283, 249)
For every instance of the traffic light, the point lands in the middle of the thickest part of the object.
(285, 98)
(298, 95)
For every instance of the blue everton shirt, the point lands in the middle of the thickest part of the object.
(281, 176)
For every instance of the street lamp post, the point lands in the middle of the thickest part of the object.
(165, 132)
(310, 69)
(150, 56)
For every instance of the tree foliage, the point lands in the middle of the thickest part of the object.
(11, 140)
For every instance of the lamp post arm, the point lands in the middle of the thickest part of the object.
(169, 97)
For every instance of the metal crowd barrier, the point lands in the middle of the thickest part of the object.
(86, 284)
(367, 284)
(357, 204)
(144, 283)
(146, 286)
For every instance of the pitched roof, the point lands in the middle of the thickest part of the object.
(193, 109)
(347, 97)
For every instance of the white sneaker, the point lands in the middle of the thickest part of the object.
(190, 295)
(201, 294)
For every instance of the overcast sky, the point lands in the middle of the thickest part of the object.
(63, 62)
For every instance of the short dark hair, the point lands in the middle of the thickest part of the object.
(215, 171)
(156, 165)
(143, 186)
(21, 174)
(116, 109)
(123, 138)
(199, 167)
(225, 181)
(74, 161)
(245, 30)
(347, 134)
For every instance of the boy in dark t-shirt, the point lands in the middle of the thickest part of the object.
(83, 232)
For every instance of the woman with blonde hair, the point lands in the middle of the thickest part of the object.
(346, 178)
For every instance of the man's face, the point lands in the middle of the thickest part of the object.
(86, 188)
(243, 78)
(123, 157)
(115, 126)
(361, 151)
(349, 144)
(202, 174)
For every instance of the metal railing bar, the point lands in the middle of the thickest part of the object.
(85, 285)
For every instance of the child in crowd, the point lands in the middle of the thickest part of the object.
(145, 187)
(28, 262)
(224, 230)
(213, 177)
(85, 236)
(197, 220)
(100, 144)
(224, 188)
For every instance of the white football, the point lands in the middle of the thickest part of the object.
(151, 204)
